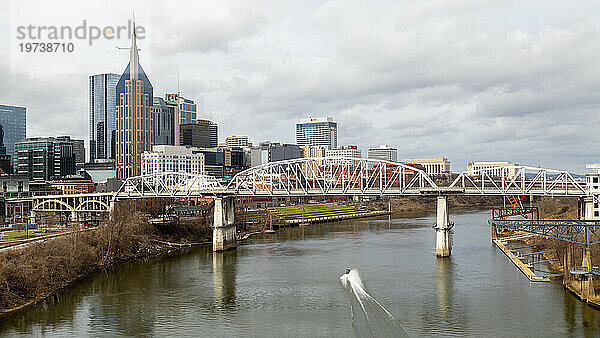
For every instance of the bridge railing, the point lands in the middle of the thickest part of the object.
(520, 180)
(330, 175)
(168, 184)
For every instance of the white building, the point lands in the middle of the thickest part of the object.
(433, 166)
(495, 168)
(592, 180)
(317, 131)
(237, 141)
(383, 152)
(349, 151)
(164, 158)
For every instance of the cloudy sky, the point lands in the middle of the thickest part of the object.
(469, 80)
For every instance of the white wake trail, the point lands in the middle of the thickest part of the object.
(379, 321)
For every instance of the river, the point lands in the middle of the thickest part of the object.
(287, 284)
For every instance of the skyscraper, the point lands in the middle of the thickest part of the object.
(163, 122)
(102, 118)
(319, 131)
(202, 133)
(184, 112)
(134, 116)
(78, 148)
(14, 123)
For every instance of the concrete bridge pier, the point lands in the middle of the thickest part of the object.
(586, 208)
(224, 229)
(443, 228)
(111, 209)
(587, 284)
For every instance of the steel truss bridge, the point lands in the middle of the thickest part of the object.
(325, 176)
(574, 231)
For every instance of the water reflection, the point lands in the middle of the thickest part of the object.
(449, 315)
(286, 283)
(578, 314)
(444, 292)
(224, 278)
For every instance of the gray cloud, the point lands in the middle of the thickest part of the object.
(471, 81)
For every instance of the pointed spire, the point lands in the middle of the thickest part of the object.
(133, 55)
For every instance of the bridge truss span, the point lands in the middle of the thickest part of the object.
(330, 176)
(520, 180)
(574, 231)
(169, 184)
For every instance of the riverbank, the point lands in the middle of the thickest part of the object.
(555, 251)
(418, 203)
(34, 272)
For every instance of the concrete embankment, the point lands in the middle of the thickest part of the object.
(562, 256)
(526, 269)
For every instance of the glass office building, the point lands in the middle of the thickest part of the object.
(14, 123)
(102, 106)
(134, 133)
(163, 122)
(44, 159)
(320, 131)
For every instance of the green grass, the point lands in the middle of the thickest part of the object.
(315, 208)
(12, 234)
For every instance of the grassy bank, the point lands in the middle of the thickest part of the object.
(32, 273)
(315, 211)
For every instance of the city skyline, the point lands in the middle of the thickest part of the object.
(427, 80)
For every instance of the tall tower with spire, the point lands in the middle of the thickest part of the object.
(134, 132)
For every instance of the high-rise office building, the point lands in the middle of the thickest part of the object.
(163, 122)
(14, 123)
(383, 153)
(317, 131)
(102, 107)
(4, 158)
(184, 112)
(134, 133)
(44, 158)
(214, 160)
(202, 133)
(78, 148)
(237, 141)
(276, 151)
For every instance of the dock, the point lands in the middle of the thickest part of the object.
(526, 269)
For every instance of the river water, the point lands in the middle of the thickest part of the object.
(287, 284)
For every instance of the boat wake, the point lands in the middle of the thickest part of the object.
(369, 317)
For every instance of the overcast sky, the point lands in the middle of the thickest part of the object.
(469, 80)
